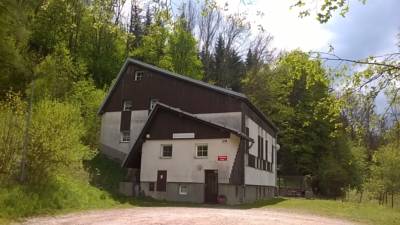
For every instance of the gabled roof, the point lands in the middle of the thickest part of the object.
(187, 79)
(157, 108)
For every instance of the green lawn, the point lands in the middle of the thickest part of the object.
(365, 213)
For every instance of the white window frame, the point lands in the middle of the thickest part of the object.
(139, 75)
(162, 151)
(181, 189)
(197, 150)
(125, 136)
(125, 105)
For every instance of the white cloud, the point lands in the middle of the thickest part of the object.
(289, 31)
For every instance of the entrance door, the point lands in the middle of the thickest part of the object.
(211, 186)
(161, 180)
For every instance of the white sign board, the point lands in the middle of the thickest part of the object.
(182, 135)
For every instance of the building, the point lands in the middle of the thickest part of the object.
(186, 140)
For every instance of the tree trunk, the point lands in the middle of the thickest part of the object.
(392, 199)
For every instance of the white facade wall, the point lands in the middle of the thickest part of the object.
(184, 166)
(254, 176)
(110, 129)
(111, 135)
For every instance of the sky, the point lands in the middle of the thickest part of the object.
(368, 29)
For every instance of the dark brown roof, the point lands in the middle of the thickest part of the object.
(189, 80)
(157, 108)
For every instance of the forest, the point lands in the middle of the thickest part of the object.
(59, 57)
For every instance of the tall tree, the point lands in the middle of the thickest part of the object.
(181, 55)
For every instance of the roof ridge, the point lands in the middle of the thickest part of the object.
(187, 78)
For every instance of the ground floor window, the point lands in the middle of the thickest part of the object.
(183, 189)
(151, 186)
(201, 150)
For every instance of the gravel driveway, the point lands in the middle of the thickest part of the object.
(185, 215)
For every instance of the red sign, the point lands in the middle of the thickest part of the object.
(222, 158)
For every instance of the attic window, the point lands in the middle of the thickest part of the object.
(127, 105)
(139, 75)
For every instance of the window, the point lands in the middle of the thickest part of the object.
(252, 161)
(125, 136)
(202, 150)
(153, 103)
(139, 75)
(166, 151)
(151, 186)
(183, 189)
(127, 105)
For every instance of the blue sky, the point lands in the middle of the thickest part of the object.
(366, 30)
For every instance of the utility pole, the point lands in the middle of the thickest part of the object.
(26, 135)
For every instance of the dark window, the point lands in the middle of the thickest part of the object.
(162, 180)
(264, 165)
(125, 136)
(166, 151)
(262, 149)
(139, 75)
(127, 105)
(266, 150)
(151, 186)
(252, 161)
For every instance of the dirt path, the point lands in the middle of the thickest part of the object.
(184, 215)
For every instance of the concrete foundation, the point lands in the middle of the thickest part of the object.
(235, 194)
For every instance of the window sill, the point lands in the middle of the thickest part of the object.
(122, 142)
(201, 157)
(164, 157)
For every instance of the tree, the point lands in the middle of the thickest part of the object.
(325, 10)
(153, 46)
(181, 54)
(56, 74)
(295, 94)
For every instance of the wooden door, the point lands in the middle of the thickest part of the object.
(211, 186)
(162, 180)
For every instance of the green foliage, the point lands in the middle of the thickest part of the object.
(182, 52)
(55, 141)
(295, 95)
(384, 173)
(58, 195)
(105, 173)
(153, 46)
(12, 125)
(56, 74)
(85, 96)
(13, 38)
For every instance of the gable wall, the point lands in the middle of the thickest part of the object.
(174, 92)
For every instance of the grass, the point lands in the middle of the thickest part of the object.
(364, 213)
(98, 191)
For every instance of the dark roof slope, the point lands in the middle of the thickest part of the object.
(187, 79)
(157, 108)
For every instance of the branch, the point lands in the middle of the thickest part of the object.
(337, 58)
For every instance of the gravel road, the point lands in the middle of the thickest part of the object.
(185, 215)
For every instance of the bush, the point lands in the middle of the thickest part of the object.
(55, 141)
(63, 193)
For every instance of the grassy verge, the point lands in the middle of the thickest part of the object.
(364, 213)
